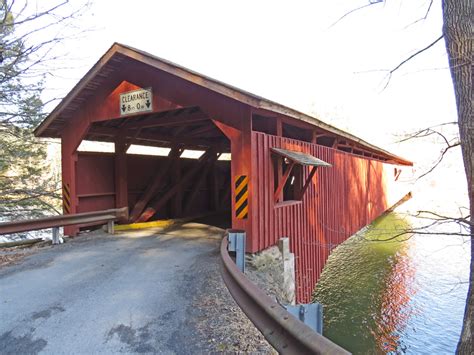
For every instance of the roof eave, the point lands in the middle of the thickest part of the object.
(39, 131)
(210, 83)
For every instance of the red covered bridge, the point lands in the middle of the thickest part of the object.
(290, 174)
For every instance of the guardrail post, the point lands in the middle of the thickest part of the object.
(55, 239)
(310, 314)
(110, 227)
(236, 240)
(283, 331)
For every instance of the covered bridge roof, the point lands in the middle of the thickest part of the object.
(119, 53)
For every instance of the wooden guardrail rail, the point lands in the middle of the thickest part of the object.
(64, 220)
(283, 331)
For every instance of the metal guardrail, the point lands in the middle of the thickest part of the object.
(283, 331)
(63, 220)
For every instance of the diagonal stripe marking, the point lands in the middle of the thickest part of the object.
(239, 180)
(242, 200)
(239, 187)
(243, 215)
(242, 192)
(244, 206)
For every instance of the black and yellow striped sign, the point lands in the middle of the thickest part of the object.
(241, 196)
(66, 199)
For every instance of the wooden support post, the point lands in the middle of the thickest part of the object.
(243, 162)
(68, 165)
(279, 127)
(177, 202)
(121, 181)
(214, 188)
(282, 182)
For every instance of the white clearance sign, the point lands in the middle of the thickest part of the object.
(135, 101)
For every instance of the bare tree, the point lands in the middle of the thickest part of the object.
(30, 34)
(457, 32)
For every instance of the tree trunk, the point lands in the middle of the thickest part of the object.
(457, 29)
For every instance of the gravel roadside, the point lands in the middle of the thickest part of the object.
(219, 321)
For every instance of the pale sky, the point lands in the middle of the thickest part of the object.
(287, 51)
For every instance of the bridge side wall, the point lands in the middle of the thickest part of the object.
(339, 202)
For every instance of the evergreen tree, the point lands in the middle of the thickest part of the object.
(29, 185)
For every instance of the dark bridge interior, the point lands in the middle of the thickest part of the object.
(162, 186)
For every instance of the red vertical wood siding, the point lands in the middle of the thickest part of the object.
(95, 183)
(339, 202)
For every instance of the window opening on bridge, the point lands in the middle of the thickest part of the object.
(95, 146)
(148, 150)
(327, 141)
(287, 180)
(288, 173)
(192, 154)
(293, 132)
(225, 156)
(264, 124)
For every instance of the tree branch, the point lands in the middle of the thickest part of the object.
(403, 62)
(443, 152)
(371, 2)
(424, 17)
(427, 132)
(439, 217)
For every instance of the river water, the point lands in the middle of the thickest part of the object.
(399, 296)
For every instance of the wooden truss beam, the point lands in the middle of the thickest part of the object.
(152, 188)
(169, 120)
(283, 181)
(308, 181)
(209, 156)
(135, 136)
(201, 130)
(196, 188)
(151, 137)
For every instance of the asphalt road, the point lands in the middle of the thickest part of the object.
(108, 294)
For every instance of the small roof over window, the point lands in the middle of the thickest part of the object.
(300, 158)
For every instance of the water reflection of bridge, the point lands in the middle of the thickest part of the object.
(366, 289)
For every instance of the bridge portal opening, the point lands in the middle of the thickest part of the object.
(167, 165)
